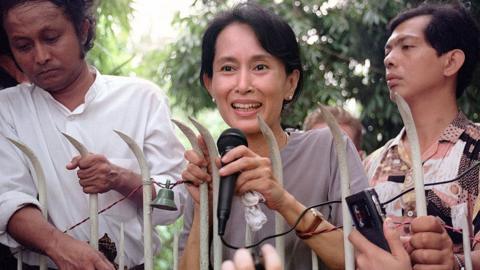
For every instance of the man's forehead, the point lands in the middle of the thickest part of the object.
(32, 16)
(35, 12)
(411, 28)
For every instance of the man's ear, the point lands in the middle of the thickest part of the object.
(84, 31)
(454, 60)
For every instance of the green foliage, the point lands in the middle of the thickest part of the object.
(164, 259)
(109, 53)
(342, 49)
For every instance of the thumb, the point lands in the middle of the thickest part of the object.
(228, 265)
(393, 238)
(73, 163)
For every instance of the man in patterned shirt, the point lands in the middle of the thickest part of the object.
(430, 57)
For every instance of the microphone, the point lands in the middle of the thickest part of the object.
(228, 140)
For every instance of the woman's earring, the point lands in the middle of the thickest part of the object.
(213, 100)
(289, 98)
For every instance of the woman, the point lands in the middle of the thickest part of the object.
(251, 65)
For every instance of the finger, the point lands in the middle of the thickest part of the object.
(243, 260)
(244, 164)
(360, 243)
(195, 174)
(272, 259)
(90, 160)
(263, 185)
(87, 172)
(393, 238)
(93, 185)
(236, 153)
(218, 163)
(194, 158)
(430, 267)
(73, 163)
(430, 240)
(228, 265)
(426, 224)
(430, 256)
(245, 177)
(406, 243)
(203, 146)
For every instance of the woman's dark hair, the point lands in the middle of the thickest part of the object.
(273, 33)
(451, 27)
(75, 10)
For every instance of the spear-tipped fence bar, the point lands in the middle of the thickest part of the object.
(147, 199)
(121, 259)
(42, 190)
(19, 261)
(277, 169)
(213, 154)
(417, 167)
(314, 260)
(93, 198)
(466, 228)
(341, 149)
(175, 250)
(192, 138)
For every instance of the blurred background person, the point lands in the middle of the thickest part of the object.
(347, 122)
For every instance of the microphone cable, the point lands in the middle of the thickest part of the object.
(432, 184)
(280, 234)
(225, 243)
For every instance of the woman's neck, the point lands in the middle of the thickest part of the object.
(259, 145)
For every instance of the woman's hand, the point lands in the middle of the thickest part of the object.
(197, 170)
(255, 175)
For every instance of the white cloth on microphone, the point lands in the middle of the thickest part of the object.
(254, 215)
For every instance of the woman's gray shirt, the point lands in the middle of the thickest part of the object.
(311, 175)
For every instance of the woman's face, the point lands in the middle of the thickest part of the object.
(247, 80)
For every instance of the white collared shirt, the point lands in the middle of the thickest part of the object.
(133, 106)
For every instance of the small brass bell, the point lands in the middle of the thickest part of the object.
(165, 198)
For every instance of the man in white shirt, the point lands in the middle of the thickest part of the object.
(48, 40)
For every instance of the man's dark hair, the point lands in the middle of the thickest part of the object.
(273, 33)
(75, 10)
(451, 27)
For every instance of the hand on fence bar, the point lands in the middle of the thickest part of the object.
(371, 257)
(243, 260)
(95, 173)
(429, 246)
(197, 170)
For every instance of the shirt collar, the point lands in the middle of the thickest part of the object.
(450, 134)
(455, 129)
(397, 139)
(93, 91)
(89, 96)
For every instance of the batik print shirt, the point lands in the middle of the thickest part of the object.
(389, 170)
